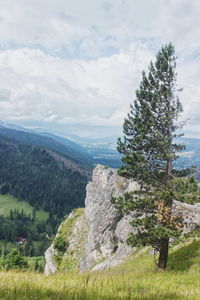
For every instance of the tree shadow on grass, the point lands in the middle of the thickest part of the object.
(182, 259)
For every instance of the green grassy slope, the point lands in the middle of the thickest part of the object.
(8, 202)
(135, 279)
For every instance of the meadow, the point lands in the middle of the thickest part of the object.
(8, 202)
(135, 279)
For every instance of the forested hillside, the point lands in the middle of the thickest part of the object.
(42, 177)
(65, 147)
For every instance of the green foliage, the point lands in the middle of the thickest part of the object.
(150, 126)
(69, 261)
(60, 244)
(8, 203)
(14, 260)
(149, 151)
(21, 226)
(185, 185)
(4, 188)
(153, 219)
(43, 178)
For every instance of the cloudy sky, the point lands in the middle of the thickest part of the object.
(73, 66)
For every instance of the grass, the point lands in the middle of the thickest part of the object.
(66, 227)
(8, 202)
(31, 260)
(70, 259)
(135, 279)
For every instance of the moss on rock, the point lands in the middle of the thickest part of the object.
(71, 237)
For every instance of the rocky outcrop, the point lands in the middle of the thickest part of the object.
(50, 266)
(96, 237)
(108, 229)
(190, 214)
(103, 229)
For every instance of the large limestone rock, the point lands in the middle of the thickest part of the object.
(96, 238)
(104, 229)
(50, 266)
(108, 229)
(190, 214)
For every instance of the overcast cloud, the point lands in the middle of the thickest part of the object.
(76, 64)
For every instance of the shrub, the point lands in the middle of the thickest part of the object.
(4, 188)
(14, 260)
(60, 244)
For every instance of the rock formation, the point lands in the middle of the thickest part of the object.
(96, 238)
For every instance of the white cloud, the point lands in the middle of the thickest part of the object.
(79, 62)
(91, 28)
(47, 88)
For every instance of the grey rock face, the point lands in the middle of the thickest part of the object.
(103, 228)
(50, 266)
(108, 229)
(190, 214)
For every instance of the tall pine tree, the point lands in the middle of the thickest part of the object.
(149, 151)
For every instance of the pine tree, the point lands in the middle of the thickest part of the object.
(149, 151)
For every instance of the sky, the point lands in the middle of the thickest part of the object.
(72, 67)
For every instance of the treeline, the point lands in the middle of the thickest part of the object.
(25, 232)
(29, 172)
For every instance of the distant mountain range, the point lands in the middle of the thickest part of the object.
(88, 152)
(63, 146)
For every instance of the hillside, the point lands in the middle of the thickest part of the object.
(42, 177)
(103, 151)
(65, 147)
(135, 279)
(88, 152)
(83, 151)
(8, 203)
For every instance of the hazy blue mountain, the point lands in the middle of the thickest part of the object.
(71, 152)
(14, 126)
(64, 141)
(85, 151)
(93, 150)
(104, 151)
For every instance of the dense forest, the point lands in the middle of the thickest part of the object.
(45, 179)
(26, 232)
(41, 177)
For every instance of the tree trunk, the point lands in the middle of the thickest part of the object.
(163, 254)
(169, 169)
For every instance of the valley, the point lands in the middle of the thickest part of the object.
(41, 181)
(99, 150)
(43, 178)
